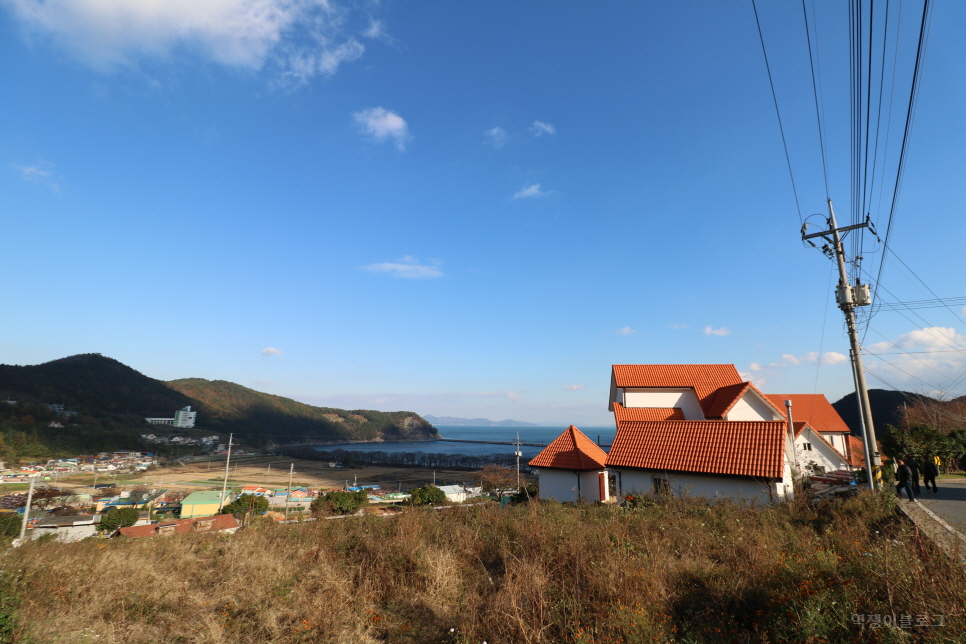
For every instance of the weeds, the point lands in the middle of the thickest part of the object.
(674, 571)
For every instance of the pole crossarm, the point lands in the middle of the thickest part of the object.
(843, 229)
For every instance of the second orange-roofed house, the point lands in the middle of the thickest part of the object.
(572, 469)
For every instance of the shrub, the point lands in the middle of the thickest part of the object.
(117, 518)
(339, 502)
(428, 495)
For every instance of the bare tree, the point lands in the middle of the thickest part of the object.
(497, 479)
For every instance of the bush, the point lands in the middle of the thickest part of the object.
(428, 495)
(117, 518)
(340, 502)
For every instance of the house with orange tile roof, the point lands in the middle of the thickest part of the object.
(703, 430)
(571, 469)
(818, 413)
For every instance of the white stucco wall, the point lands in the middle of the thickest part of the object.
(820, 454)
(562, 485)
(751, 407)
(711, 487)
(684, 398)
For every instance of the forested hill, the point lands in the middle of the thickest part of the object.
(92, 383)
(225, 406)
(886, 409)
(98, 387)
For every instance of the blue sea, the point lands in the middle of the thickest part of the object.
(535, 435)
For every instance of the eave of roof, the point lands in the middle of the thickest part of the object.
(704, 379)
(647, 413)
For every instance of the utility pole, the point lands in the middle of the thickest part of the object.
(288, 496)
(848, 297)
(224, 488)
(518, 454)
(26, 510)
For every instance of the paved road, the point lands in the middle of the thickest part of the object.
(950, 503)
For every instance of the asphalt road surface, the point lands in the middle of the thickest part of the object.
(949, 503)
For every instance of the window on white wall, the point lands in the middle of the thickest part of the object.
(660, 485)
(807, 447)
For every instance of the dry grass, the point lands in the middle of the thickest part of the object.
(679, 571)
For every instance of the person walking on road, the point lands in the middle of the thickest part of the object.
(914, 469)
(929, 473)
(903, 474)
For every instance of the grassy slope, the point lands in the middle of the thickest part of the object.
(540, 573)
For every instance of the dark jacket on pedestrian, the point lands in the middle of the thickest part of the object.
(929, 469)
(903, 474)
(914, 468)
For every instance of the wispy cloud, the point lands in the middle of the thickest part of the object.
(407, 267)
(930, 359)
(41, 173)
(757, 371)
(495, 137)
(271, 351)
(383, 125)
(828, 358)
(678, 327)
(574, 387)
(626, 330)
(539, 128)
(533, 190)
(710, 330)
(301, 39)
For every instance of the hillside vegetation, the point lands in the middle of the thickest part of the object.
(670, 571)
(255, 415)
(112, 400)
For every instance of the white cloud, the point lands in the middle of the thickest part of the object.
(626, 330)
(302, 38)
(383, 125)
(709, 330)
(928, 359)
(495, 137)
(574, 387)
(678, 327)
(407, 267)
(539, 128)
(533, 190)
(271, 351)
(41, 173)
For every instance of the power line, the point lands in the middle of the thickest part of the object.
(818, 117)
(910, 115)
(774, 97)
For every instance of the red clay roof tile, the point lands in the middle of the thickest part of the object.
(572, 450)
(856, 450)
(737, 448)
(705, 379)
(814, 409)
(647, 413)
(182, 526)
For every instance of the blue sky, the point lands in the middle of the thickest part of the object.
(467, 209)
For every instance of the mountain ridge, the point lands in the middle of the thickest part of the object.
(97, 385)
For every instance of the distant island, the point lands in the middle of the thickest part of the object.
(476, 422)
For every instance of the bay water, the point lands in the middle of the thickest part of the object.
(537, 436)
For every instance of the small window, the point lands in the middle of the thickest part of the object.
(807, 447)
(660, 485)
